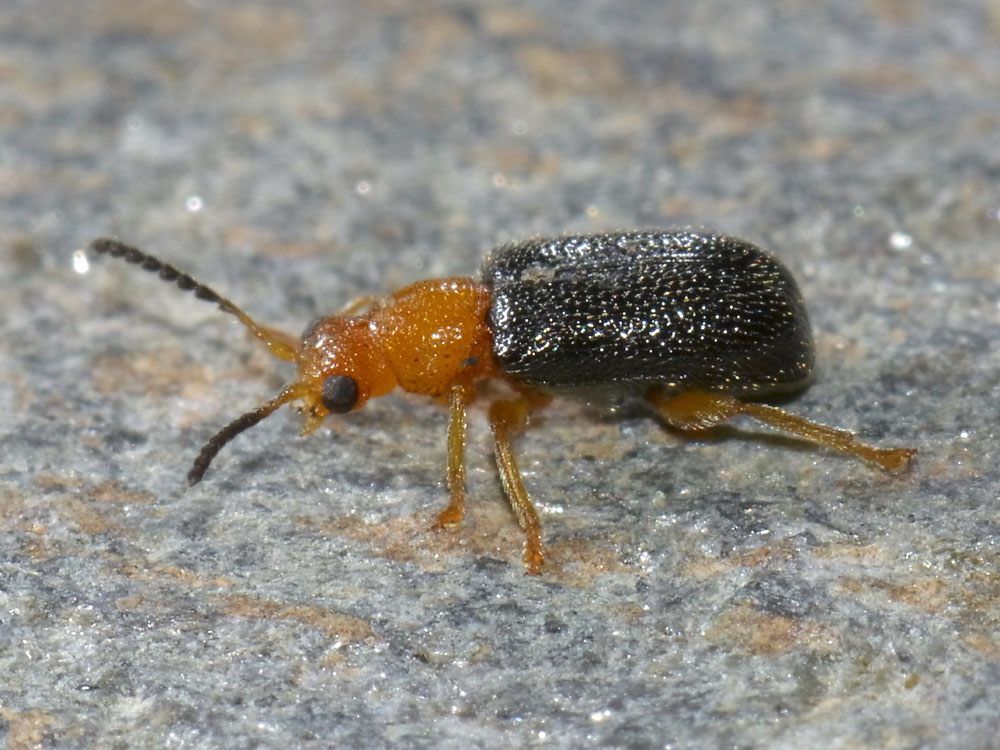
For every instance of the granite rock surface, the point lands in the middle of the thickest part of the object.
(738, 591)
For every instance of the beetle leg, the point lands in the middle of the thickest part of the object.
(698, 411)
(357, 305)
(506, 418)
(458, 397)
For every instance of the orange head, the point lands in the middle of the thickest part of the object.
(340, 367)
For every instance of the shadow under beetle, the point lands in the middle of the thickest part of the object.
(696, 325)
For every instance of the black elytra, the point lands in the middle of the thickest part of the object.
(687, 310)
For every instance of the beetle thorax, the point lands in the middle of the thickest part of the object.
(434, 334)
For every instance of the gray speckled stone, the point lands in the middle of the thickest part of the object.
(739, 591)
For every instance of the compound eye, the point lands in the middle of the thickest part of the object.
(340, 393)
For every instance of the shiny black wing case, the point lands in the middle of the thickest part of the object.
(684, 309)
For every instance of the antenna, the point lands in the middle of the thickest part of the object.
(234, 428)
(281, 345)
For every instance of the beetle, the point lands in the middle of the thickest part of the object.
(697, 326)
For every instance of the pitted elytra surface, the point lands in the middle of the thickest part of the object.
(681, 308)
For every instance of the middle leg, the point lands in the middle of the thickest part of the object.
(507, 418)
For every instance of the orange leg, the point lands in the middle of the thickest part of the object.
(507, 418)
(357, 305)
(698, 411)
(451, 516)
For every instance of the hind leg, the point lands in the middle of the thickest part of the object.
(699, 411)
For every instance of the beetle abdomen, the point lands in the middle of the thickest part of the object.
(681, 308)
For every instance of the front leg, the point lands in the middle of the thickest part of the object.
(451, 516)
